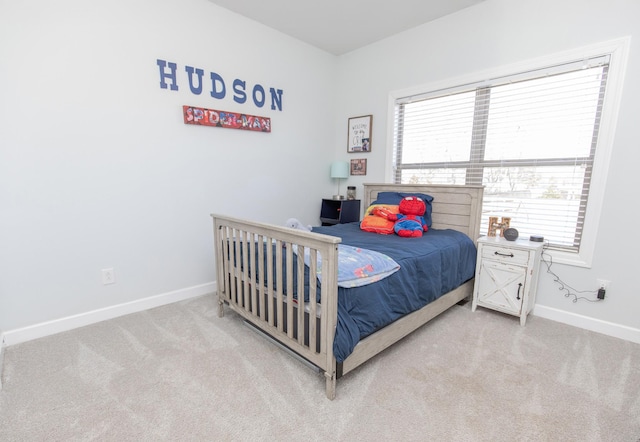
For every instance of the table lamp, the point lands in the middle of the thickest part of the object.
(339, 170)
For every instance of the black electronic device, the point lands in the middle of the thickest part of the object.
(536, 238)
(511, 234)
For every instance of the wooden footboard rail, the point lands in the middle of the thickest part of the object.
(255, 277)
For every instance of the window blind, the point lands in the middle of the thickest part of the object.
(529, 138)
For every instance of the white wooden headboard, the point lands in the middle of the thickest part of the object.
(454, 207)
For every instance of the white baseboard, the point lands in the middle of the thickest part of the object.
(41, 330)
(596, 325)
(48, 328)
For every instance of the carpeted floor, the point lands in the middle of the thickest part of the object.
(179, 372)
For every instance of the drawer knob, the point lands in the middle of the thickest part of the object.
(510, 255)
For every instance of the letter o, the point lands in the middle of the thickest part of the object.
(257, 89)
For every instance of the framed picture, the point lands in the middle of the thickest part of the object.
(359, 134)
(359, 166)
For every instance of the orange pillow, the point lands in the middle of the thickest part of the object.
(378, 224)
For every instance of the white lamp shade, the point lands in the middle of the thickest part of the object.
(340, 169)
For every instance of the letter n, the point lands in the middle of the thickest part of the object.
(276, 100)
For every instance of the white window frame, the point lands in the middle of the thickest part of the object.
(618, 50)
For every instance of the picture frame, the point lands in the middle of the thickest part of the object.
(359, 134)
(358, 166)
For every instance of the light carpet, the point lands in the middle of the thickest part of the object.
(179, 372)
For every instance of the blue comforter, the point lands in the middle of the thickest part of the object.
(430, 266)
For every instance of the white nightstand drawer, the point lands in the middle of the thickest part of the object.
(506, 255)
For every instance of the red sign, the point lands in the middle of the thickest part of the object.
(231, 120)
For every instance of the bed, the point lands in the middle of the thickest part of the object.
(265, 273)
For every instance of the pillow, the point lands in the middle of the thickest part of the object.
(378, 224)
(396, 197)
(393, 208)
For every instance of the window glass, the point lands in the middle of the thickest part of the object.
(529, 139)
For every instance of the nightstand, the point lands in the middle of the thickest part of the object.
(507, 275)
(339, 211)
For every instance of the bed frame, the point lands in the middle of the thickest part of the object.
(309, 331)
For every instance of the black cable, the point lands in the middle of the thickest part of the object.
(570, 291)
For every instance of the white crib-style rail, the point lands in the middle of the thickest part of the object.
(255, 275)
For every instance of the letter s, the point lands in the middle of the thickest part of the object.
(240, 96)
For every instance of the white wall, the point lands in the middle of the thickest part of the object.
(98, 170)
(501, 32)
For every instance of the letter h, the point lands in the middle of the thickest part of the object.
(162, 64)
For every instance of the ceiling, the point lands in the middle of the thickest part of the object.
(341, 26)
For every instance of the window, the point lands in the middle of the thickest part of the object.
(532, 138)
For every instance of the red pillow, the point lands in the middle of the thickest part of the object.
(377, 224)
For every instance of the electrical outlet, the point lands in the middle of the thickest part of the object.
(603, 284)
(108, 276)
